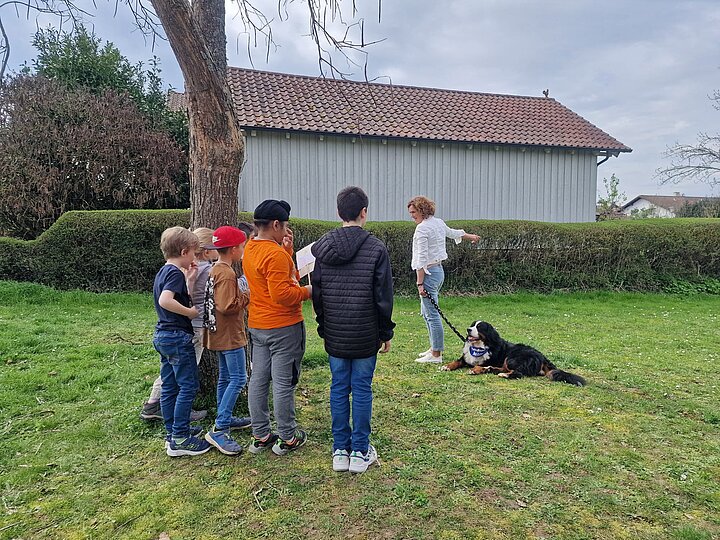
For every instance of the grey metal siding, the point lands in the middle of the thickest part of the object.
(466, 181)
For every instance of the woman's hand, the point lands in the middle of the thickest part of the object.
(474, 238)
(421, 290)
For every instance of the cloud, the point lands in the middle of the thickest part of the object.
(639, 70)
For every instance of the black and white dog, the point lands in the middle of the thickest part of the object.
(486, 352)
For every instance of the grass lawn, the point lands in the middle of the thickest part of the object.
(636, 454)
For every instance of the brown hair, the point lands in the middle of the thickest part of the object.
(423, 205)
(175, 239)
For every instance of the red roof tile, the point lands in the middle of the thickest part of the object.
(315, 104)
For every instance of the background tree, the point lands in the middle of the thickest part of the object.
(611, 203)
(699, 162)
(66, 150)
(79, 59)
(706, 208)
(197, 36)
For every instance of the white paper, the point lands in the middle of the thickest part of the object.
(305, 261)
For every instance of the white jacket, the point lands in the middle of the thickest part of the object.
(428, 245)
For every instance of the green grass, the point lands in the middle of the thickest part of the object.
(636, 454)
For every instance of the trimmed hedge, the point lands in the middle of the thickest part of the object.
(119, 251)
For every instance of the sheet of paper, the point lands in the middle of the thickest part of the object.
(305, 261)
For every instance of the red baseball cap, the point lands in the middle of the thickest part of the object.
(227, 236)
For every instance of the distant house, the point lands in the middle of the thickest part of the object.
(479, 156)
(659, 205)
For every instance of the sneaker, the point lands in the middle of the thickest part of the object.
(429, 359)
(151, 411)
(224, 442)
(196, 416)
(194, 432)
(192, 446)
(258, 446)
(424, 353)
(240, 423)
(280, 448)
(341, 460)
(360, 462)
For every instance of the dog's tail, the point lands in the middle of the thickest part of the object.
(558, 375)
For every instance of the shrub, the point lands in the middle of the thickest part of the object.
(66, 150)
(119, 251)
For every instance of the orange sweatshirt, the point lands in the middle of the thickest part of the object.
(275, 295)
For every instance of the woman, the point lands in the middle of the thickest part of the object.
(428, 253)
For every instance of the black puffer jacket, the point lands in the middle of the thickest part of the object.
(352, 292)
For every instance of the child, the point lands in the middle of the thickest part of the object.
(173, 339)
(203, 259)
(276, 328)
(225, 306)
(352, 291)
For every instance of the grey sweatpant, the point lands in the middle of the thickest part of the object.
(276, 356)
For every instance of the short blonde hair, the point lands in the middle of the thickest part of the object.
(204, 235)
(175, 239)
(425, 206)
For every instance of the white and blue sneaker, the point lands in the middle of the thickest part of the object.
(360, 462)
(341, 460)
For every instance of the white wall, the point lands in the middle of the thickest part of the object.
(478, 182)
(644, 204)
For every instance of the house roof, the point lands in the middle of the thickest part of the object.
(267, 100)
(669, 202)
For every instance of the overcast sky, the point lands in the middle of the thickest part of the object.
(641, 70)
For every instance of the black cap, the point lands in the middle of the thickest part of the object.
(271, 209)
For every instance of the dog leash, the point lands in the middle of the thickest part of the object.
(444, 318)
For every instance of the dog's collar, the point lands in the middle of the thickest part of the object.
(478, 351)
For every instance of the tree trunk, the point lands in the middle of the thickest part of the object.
(217, 147)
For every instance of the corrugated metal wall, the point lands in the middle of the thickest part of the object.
(478, 182)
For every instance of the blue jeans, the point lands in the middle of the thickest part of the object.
(232, 377)
(351, 376)
(432, 284)
(178, 371)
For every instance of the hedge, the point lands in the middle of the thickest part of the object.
(119, 251)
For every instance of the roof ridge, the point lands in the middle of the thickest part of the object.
(392, 85)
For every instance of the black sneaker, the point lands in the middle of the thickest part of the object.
(151, 411)
(196, 416)
(280, 448)
(257, 446)
(192, 446)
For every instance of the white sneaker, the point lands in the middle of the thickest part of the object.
(341, 460)
(359, 463)
(430, 359)
(424, 353)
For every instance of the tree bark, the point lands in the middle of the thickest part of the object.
(217, 148)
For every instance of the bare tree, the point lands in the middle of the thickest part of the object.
(196, 34)
(699, 162)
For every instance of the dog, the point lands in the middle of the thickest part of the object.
(486, 352)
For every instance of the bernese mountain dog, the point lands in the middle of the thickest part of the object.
(486, 352)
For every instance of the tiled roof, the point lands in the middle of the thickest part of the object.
(267, 100)
(669, 202)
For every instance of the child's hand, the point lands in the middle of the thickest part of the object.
(385, 347)
(288, 239)
(191, 272)
(192, 312)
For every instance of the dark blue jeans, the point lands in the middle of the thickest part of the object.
(232, 377)
(351, 377)
(178, 371)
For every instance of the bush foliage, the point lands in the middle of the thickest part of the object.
(119, 251)
(66, 150)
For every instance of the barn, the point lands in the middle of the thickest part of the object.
(478, 155)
